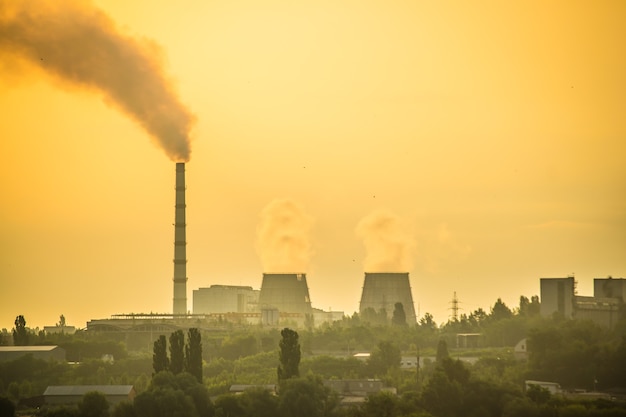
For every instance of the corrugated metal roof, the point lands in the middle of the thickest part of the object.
(83, 389)
(27, 348)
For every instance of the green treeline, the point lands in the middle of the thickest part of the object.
(194, 373)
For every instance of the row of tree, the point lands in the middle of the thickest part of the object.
(451, 390)
(182, 358)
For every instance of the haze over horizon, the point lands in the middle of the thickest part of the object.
(488, 139)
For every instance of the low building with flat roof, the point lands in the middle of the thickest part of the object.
(10, 353)
(225, 299)
(73, 394)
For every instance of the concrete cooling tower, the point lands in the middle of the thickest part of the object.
(384, 290)
(288, 293)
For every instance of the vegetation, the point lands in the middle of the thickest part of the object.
(20, 334)
(160, 361)
(193, 354)
(399, 316)
(187, 358)
(177, 352)
(289, 355)
(483, 380)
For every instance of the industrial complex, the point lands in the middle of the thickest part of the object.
(605, 307)
(283, 298)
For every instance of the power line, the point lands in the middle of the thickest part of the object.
(455, 307)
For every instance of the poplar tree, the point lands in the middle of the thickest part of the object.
(160, 362)
(193, 354)
(20, 334)
(177, 352)
(442, 351)
(289, 355)
(399, 316)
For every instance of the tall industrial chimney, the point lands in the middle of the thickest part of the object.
(180, 244)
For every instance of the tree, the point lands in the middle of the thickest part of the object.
(455, 370)
(399, 316)
(124, 409)
(500, 311)
(382, 319)
(193, 354)
(442, 351)
(160, 362)
(177, 352)
(427, 322)
(538, 394)
(164, 402)
(535, 306)
(477, 317)
(382, 404)
(386, 356)
(229, 406)
(442, 397)
(93, 404)
(20, 334)
(259, 402)
(378, 318)
(7, 408)
(306, 397)
(173, 395)
(289, 355)
(200, 397)
(239, 346)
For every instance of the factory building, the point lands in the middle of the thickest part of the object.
(557, 295)
(606, 307)
(225, 299)
(47, 353)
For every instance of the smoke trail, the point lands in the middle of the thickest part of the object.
(283, 242)
(79, 44)
(388, 246)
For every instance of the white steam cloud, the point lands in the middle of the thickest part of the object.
(79, 44)
(283, 237)
(389, 246)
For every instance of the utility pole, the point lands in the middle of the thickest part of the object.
(417, 370)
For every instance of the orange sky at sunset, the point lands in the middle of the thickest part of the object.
(493, 133)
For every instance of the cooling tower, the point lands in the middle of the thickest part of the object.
(384, 290)
(288, 293)
(180, 244)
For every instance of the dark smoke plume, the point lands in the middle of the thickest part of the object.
(79, 44)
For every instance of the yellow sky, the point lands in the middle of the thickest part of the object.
(494, 130)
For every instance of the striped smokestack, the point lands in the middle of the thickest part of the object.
(180, 244)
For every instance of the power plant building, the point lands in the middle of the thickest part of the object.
(225, 299)
(557, 296)
(606, 307)
(287, 293)
(382, 290)
(610, 288)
